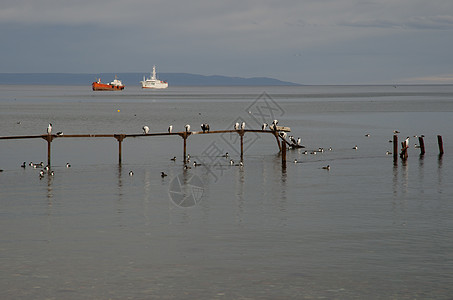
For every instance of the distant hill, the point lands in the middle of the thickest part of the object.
(174, 79)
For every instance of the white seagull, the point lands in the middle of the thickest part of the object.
(170, 128)
(145, 129)
(236, 126)
(187, 127)
(242, 125)
(49, 128)
(264, 126)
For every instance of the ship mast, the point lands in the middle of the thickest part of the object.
(154, 72)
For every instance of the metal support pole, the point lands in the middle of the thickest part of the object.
(283, 154)
(242, 145)
(120, 138)
(185, 145)
(278, 142)
(49, 140)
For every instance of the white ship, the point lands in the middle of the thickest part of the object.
(153, 82)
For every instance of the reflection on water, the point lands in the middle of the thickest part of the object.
(439, 174)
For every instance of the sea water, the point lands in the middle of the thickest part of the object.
(368, 228)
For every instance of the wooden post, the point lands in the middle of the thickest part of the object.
(441, 145)
(395, 148)
(242, 145)
(422, 145)
(283, 154)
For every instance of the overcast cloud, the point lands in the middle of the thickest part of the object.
(309, 42)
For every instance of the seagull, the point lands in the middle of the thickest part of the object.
(23, 165)
(299, 141)
(388, 153)
(275, 122)
(326, 167)
(145, 129)
(242, 125)
(367, 135)
(236, 126)
(396, 131)
(41, 173)
(330, 148)
(60, 133)
(305, 152)
(241, 164)
(68, 165)
(187, 127)
(30, 164)
(321, 150)
(195, 164)
(264, 126)
(295, 161)
(131, 173)
(162, 174)
(231, 162)
(174, 158)
(355, 147)
(170, 128)
(47, 168)
(283, 135)
(52, 173)
(49, 128)
(205, 127)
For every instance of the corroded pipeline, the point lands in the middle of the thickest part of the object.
(120, 137)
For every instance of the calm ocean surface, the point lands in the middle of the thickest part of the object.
(365, 229)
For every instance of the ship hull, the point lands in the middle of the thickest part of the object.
(106, 87)
(155, 87)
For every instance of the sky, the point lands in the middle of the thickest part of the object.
(302, 41)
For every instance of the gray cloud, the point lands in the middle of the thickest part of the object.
(287, 39)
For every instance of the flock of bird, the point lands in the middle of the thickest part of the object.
(43, 170)
(205, 128)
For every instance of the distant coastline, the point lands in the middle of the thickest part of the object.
(174, 79)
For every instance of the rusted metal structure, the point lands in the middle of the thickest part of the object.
(120, 138)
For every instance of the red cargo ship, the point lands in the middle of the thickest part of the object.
(112, 86)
